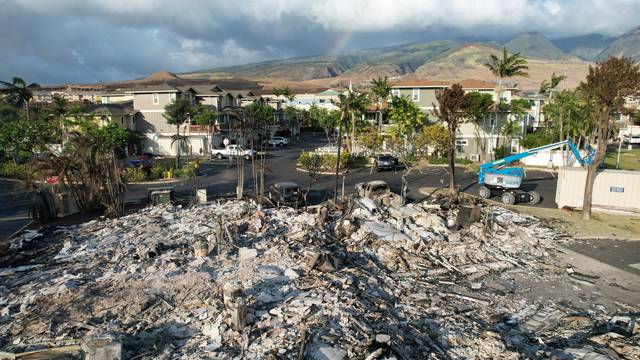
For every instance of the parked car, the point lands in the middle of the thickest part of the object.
(378, 191)
(385, 162)
(233, 151)
(145, 161)
(631, 139)
(286, 193)
(277, 141)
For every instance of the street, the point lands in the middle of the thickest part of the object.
(219, 177)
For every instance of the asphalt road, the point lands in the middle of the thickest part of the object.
(220, 177)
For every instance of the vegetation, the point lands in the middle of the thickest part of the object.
(348, 104)
(380, 92)
(134, 174)
(328, 162)
(19, 94)
(629, 160)
(548, 87)
(454, 108)
(607, 84)
(176, 113)
(205, 116)
(432, 140)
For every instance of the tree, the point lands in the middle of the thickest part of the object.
(348, 104)
(506, 67)
(480, 109)
(636, 118)
(608, 83)
(434, 139)
(206, 116)
(405, 115)
(60, 110)
(176, 113)
(312, 163)
(327, 120)
(370, 139)
(381, 91)
(19, 93)
(454, 107)
(547, 87)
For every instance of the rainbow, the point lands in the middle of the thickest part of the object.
(341, 43)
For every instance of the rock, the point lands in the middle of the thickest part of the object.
(383, 339)
(201, 249)
(101, 347)
(326, 352)
(291, 274)
(247, 254)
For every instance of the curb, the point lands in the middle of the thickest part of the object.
(158, 182)
(11, 180)
(322, 173)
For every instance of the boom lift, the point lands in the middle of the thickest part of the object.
(496, 179)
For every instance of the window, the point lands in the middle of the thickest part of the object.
(156, 99)
(462, 142)
(492, 120)
(173, 96)
(415, 94)
(322, 101)
(395, 92)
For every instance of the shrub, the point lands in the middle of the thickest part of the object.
(444, 161)
(134, 174)
(501, 152)
(186, 171)
(12, 170)
(157, 171)
(536, 139)
(328, 160)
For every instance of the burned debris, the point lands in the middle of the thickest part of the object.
(233, 280)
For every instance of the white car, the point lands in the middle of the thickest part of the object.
(631, 139)
(232, 151)
(278, 141)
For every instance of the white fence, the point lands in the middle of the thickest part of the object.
(553, 159)
(612, 189)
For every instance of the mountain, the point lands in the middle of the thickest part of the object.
(438, 60)
(585, 47)
(625, 45)
(395, 60)
(534, 46)
(467, 62)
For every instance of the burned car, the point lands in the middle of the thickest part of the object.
(378, 191)
(286, 193)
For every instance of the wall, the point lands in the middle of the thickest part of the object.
(144, 101)
(612, 189)
(553, 159)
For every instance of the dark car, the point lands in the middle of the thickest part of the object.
(385, 162)
(144, 161)
(286, 193)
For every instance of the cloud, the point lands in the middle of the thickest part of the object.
(92, 40)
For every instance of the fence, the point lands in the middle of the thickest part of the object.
(612, 189)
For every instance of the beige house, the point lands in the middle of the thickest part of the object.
(473, 138)
(123, 114)
(115, 96)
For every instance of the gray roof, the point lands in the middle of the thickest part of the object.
(123, 108)
(164, 87)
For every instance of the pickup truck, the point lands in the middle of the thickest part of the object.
(277, 141)
(233, 151)
(379, 192)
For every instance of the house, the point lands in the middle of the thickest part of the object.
(534, 117)
(473, 139)
(114, 96)
(123, 114)
(80, 93)
(323, 99)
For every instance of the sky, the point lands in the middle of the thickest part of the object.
(60, 41)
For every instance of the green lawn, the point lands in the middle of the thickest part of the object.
(629, 159)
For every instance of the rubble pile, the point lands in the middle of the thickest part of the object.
(233, 280)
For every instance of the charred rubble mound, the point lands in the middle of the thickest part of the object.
(231, 280)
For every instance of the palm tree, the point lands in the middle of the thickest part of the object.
(381, 91)
(348, 104)
(60, 111)
(506, 67)
(19, 93)
(547, 87)
(176, 113)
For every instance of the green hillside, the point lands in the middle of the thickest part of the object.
(535, 46)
